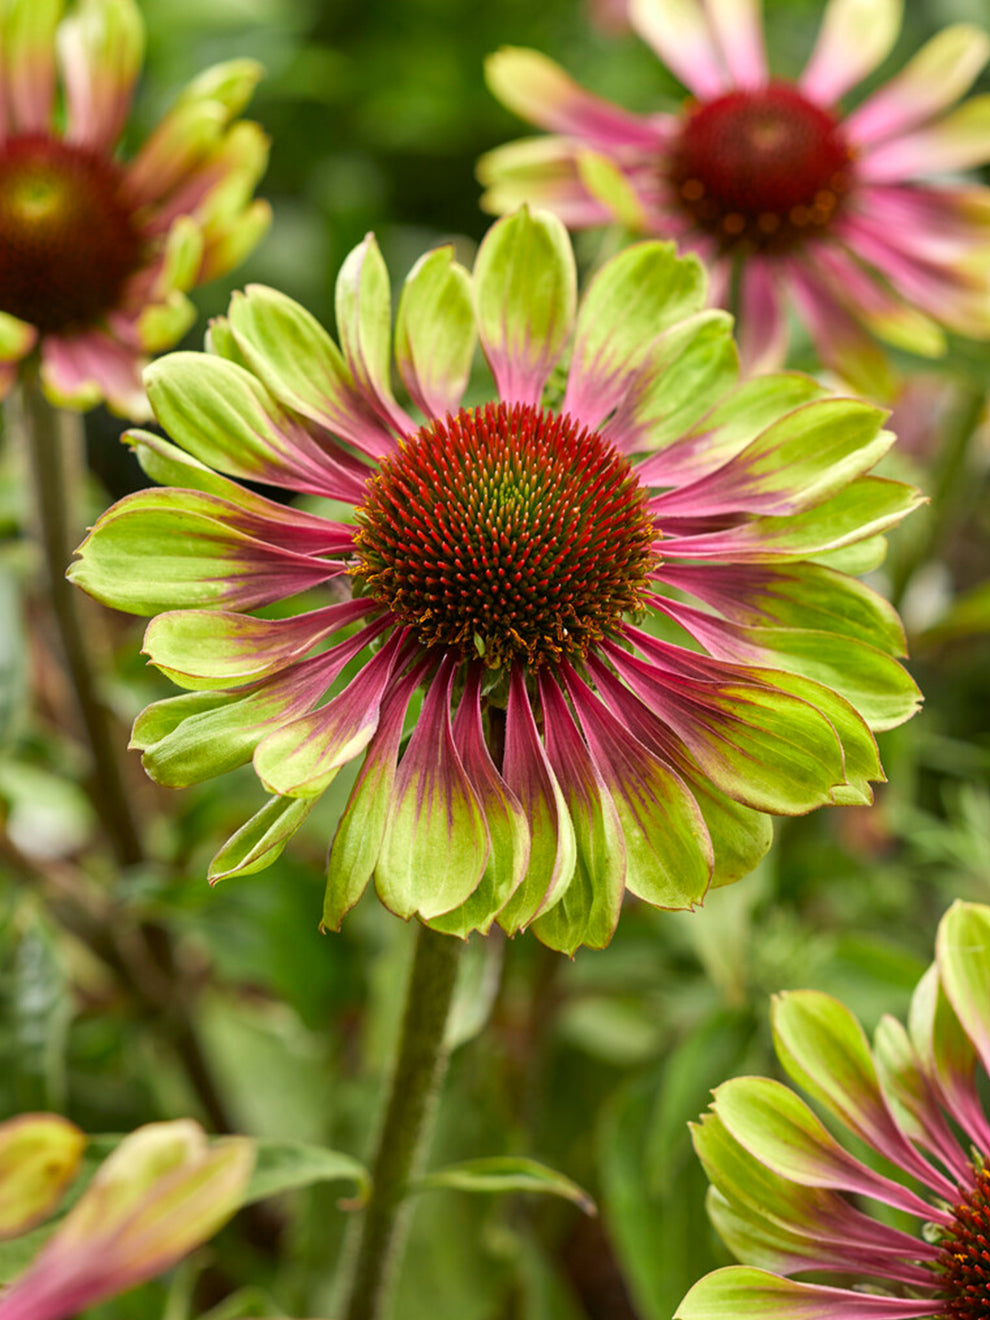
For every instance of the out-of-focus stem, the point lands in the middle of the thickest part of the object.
(946, 492)
(374, 1248)
(52, 441)
(143, 958)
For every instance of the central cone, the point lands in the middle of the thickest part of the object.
(67, 239)
(507, 534)
(767, 167)
(965, 1257)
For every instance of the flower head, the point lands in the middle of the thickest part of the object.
(789, 1199)
(163, 1191)
(97, 254)
(587, 596)
(788, 198)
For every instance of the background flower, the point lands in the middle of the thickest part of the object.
(530, 568)
(791, 200)
(162, 1192)
(96, 256)
(788, 1199)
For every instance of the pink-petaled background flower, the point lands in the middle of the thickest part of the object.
(570, 619)
(855, 219)
(898, 1217)
(97, 254)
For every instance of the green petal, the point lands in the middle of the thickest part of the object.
(797, 463)
(868, 506)
(686, 367)
(525, 290)
(860, 757)
(756, 1192)
(636, 296)
(17, 338)
(364, 323)
(605, 181)
(875, 684)
(963, 959)
(199, 735)
(225, 417)
(436, 843)
(261, 840)
(735, 421)
(434, 332)
(740, 1290)
(782, 1132)
(231, 83)
(824, 1049)
(39, 1157)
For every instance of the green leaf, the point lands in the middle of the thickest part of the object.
(506, 1173)
(283, 1166)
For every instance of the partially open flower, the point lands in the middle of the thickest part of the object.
(97, 254)
(163, 1191)
(789, 1199)
(601, 582)
(790, 199)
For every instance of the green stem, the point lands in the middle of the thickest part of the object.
(375, 1245)
(53, 441)
(947, 490)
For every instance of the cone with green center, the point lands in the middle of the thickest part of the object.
(790, 1201)
(584, 648)
(97, 254)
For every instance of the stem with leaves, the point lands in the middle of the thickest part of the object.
(374, 1249)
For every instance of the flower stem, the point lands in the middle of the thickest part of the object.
(374, 1249)
(947, 490)
(53, 440)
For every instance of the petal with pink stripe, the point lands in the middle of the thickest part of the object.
(436, 844)
(553, 848)
(525, 290)
(679, 32)
(539, 91)
(855, 37)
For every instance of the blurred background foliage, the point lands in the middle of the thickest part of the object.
(378, 110)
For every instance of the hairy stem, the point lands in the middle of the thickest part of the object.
(375, 1246)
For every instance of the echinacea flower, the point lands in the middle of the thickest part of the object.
(527, 563)
(791, 200)
(789, 1199)
(97, 254)
(162, 1192)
